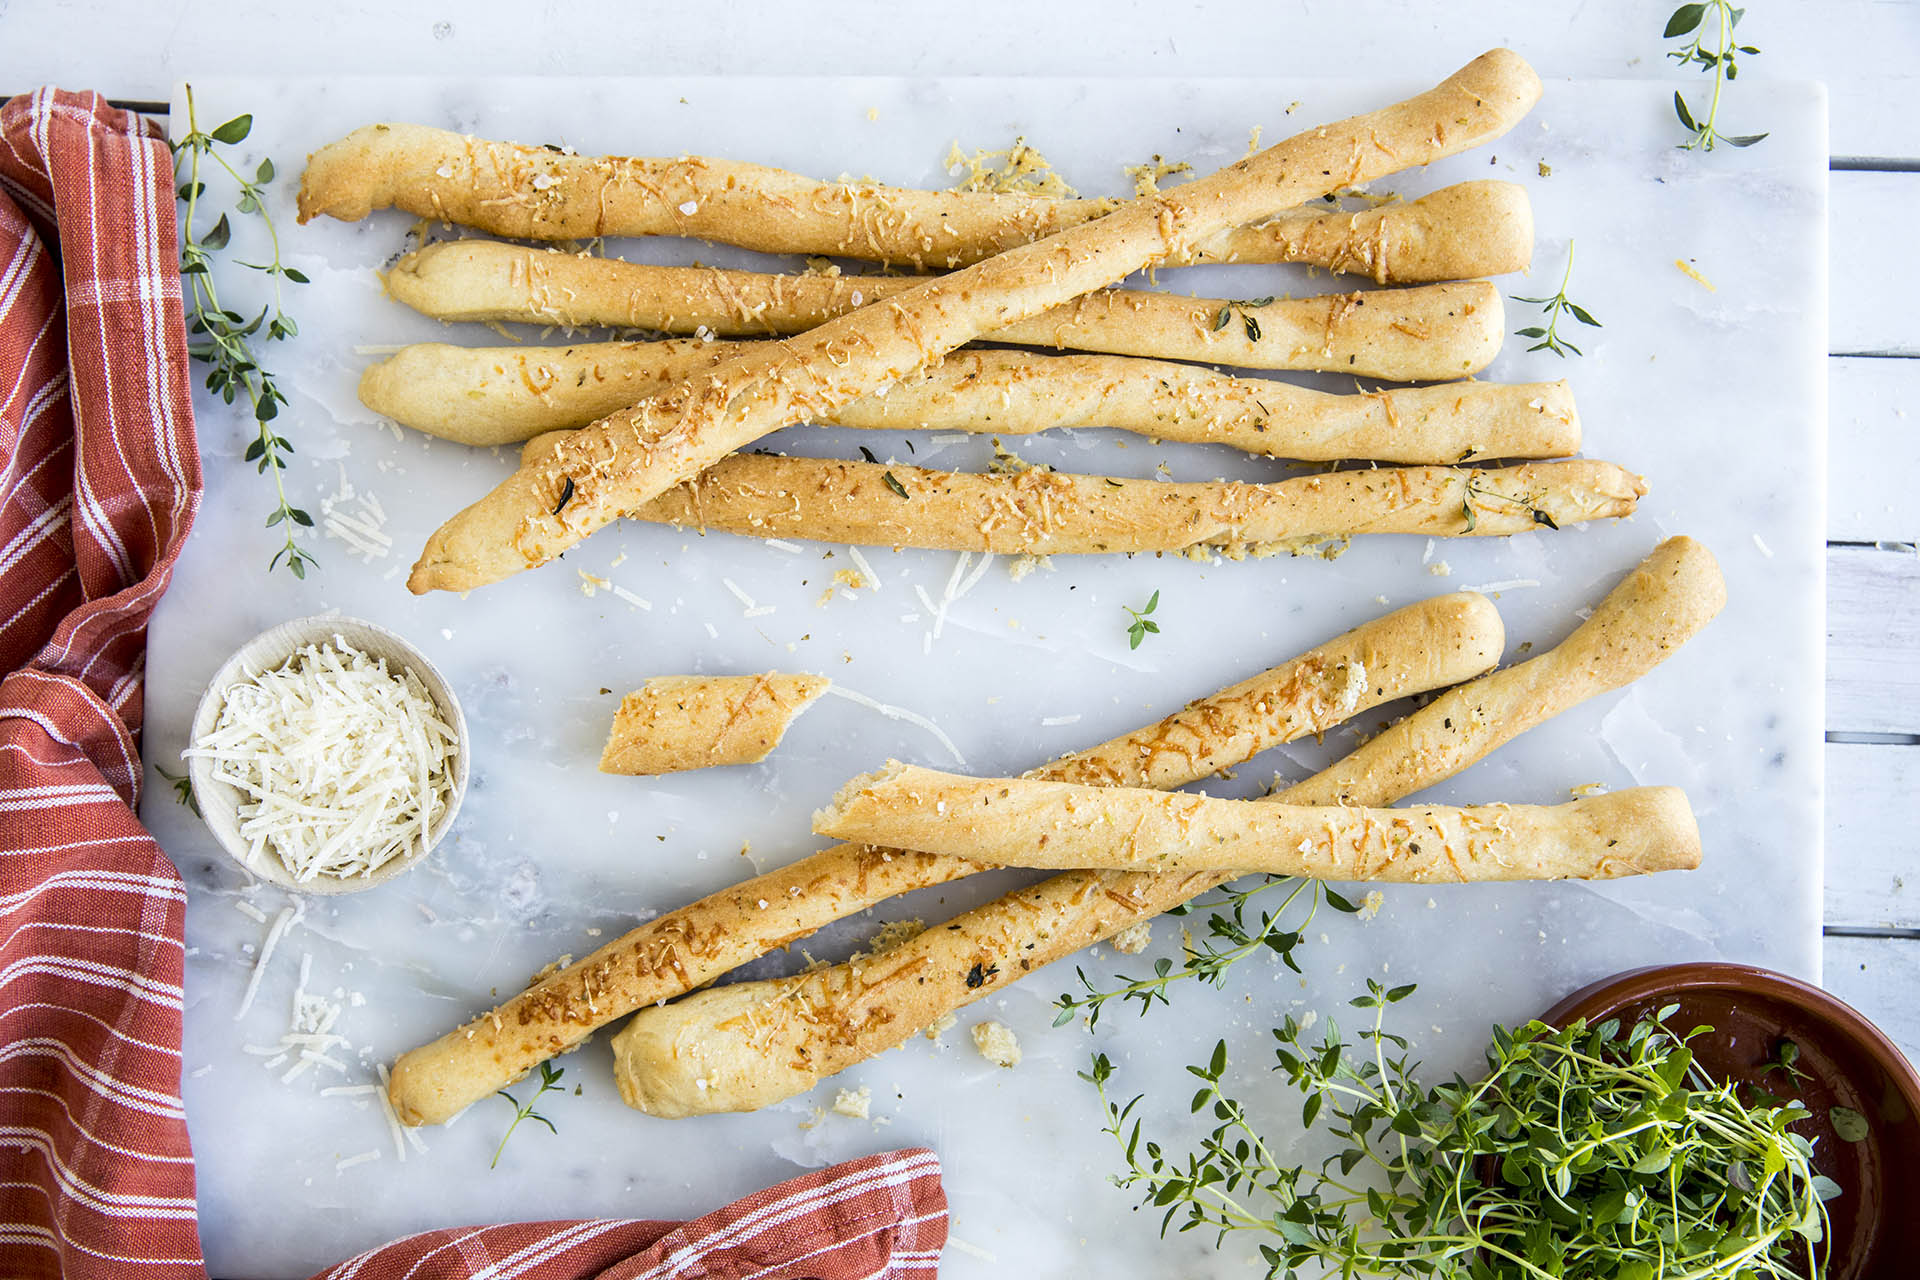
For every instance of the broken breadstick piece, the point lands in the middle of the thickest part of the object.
(675, 723)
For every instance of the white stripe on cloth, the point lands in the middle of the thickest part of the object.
(131, 1153)
(111, 1204)
(117, 881)
(132, 1096)
(881, 1223)
(891, 1174)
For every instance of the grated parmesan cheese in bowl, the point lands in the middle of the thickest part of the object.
(328, 755)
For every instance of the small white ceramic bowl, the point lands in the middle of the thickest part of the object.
(220, 803)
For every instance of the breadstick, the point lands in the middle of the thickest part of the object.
(1421, 647)
(1042, 512)
(503, 395)
(1421, 334)
(633, 456)
(1030, 822)
(537, 193)
(740, 1047)
(695, 722)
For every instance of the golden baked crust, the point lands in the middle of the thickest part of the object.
(1411, 650)
(1032, 822)
(753, 1043)
(1041, 512)
(673, 723)
(631, 457)
(537, 193)
(1423, 334)
(505, 395)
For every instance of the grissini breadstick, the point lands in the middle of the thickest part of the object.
(631, 457)
(673, 723)
(1421, 647)
(503, 395)
(740, 1047)
(1033, 822)
(1042, 512)
(536, 193)
(1423, 334)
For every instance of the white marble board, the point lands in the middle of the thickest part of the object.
(1717, 395)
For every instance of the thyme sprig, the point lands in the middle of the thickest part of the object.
(224, 339)
(1243, 306)
(1552, 310)
(1584, 1153)
(1143, 624)
(1715, 21)
(1540, 514)
(1234, 931)
(549, 1081)
(182, 785)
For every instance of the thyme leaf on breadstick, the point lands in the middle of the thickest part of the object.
(1553, 310)
(1230, 938)
(224, 339)
(1711, 21)
(549, 1081)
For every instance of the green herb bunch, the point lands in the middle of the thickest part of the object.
(224, 339)
(1585, 1153)
(1712, 21)
(1235, 929)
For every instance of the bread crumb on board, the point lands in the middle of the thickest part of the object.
(1134, 939)
(941, 1025)
(996, 1043)
(854, 1103)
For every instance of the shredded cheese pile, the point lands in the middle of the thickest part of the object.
(344, 763)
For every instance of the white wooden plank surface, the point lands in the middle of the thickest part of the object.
(1873, 850)
(1873, 459)
(1876, 274)
(1879, 976)
(1873, 641)
(1866, 50)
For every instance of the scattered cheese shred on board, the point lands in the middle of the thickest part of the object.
(900, 713)
(1692, 272)
(343, 763)
(280, 922)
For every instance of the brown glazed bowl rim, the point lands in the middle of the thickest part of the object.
(1856, 1258)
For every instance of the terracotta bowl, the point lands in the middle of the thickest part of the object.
(219, 803)
(1876, 1218)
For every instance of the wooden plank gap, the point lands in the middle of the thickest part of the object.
(1872, 164)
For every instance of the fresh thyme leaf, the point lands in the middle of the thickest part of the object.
(182, 788)
(1252, 327)
(233, 131)
(1684, 19)
(1220, 320)
(222, 338)
(1617, 1158)
(1143, 625)
(894, 484)
(1552, 309)
(1712, 49)
(549, 1081)
(566, 495)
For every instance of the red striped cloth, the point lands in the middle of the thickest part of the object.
(99, 481)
